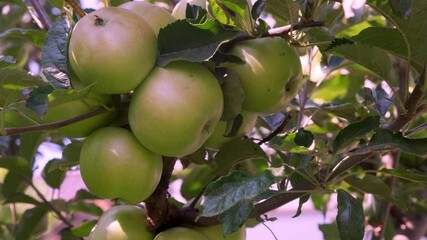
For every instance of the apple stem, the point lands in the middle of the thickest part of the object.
(99, 21)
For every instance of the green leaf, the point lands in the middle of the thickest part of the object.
(234, 218)
(70, 157)
(236, 151)
(85, 207)
(37, 37)
(257, 9)
(412, 27)
(7, 61)
(304, 138)
(234, 13)
(228, 191)
(29, 222)
(345, 110)
(233, 126)
(233, 96)
(20, 197)
(371, 184)
(17, 165)
(354, 131)
(198, 157)
(413, 176)
(287, 143)
(330, 231)
(374, 59)
(84, 195)
(53, 178)
(385, 139)
(19, 115)
(30, 142)
(350, 217)
(198, 44)
(12, 82)
(54, 53)
(285, 10)
(84, 229)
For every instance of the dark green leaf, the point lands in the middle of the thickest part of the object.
(29, 222)
(17, 165)
(198, 157)
(37, 100)
(400, 7)
(345, 110)
(20, 197)
(287, 143)
(234, 218)
(19, 115)
(37, 37)
(233, 126)
(30, 142)
(385, 139)
(350, 217)
(84, 228)
(330, 231)
(338, 42)
(354, 131)
(70, 157)
(66, 234)
(304, 138)
(371, 184)
(228, 191)
(301, 202)
(221, 59)
(53, 178)
(236, 151)
(198, 44)
(54, 53)
(413, 176)
(258, 8)
(84, 195)
(13, 184)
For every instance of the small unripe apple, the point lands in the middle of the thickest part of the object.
(176, 108)
(113, 164)
(113, 49)
(123, 222)
(180, 233)
(157, 17)
(271, 75)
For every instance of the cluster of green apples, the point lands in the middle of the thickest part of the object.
(129, 222)
(174, 109)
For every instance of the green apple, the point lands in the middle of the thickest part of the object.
(180, 9)
(78, 107)
(180, 233)
(271, 75)
(218, 138)
(176, 108)
(157, 17)
(113, 164)
(124, 222)
(112, 49)
(215, 233)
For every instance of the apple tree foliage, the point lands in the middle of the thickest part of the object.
(355, 133)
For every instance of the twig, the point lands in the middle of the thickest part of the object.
(50, 126)
(42, 14)
(284, 30)
(157, 204)
(76, 7)
(48, 204)
(411, 104)
(278, 130)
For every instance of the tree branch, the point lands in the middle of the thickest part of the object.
(276, 131)
(76, 7)
(412, 104)
(51, 126)
(283, 31)
(157, 205)
(42, 14)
